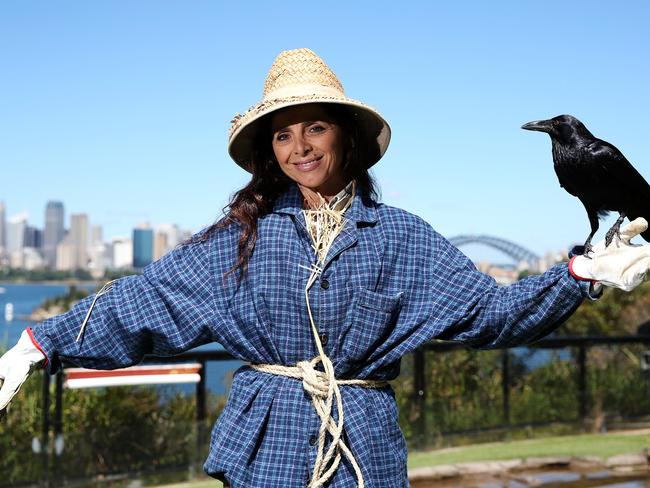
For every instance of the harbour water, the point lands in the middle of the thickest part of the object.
(26, 297)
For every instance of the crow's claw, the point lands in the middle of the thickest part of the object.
(615, 230)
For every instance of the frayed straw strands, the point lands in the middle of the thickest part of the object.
(324, 224)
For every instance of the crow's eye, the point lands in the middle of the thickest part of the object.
(556, 122)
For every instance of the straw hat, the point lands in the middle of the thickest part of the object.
(299, 76)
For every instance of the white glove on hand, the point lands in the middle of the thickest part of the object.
(16, 365)
(620, 265)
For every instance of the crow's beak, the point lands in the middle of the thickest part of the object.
(539, 125)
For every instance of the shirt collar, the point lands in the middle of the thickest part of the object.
(341, 198)
(361, 210)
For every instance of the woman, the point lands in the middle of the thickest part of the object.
(320, 288)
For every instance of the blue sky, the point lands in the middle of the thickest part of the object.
(121, 108)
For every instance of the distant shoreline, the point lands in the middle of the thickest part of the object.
(54, 282)
(39, 314)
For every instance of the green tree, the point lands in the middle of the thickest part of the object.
(615, 313)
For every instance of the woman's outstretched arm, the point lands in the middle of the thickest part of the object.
(168, 309)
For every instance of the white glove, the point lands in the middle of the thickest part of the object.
(620, 265)
(16, 365)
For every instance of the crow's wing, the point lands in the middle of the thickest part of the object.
(570, 177)
(614, 165)
(627, 190)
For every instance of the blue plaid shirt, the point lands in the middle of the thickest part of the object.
(390, 284)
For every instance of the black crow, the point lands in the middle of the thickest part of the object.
(597, 173)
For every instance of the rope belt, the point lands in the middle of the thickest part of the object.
(324, 224)
(323, 388)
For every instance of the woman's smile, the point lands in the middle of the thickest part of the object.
(309, 164)
(307, 145)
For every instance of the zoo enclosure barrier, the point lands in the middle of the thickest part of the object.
(421, 415)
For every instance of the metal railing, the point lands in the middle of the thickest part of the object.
(419, 393)
(421, 390)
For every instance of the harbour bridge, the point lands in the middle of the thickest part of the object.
(519, 253)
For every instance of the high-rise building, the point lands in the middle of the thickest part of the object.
(99, 253)
(96, 235)
(78, 237)
(16, 233)
(66, 257)
(173, 233)
(3, 228)
(72, 251)
(54, 232)
(166, 238)
(29, 259)
(142, 247)
(122, 253)
(33, 237)
(160, 245)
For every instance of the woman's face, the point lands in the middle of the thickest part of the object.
(308, 146)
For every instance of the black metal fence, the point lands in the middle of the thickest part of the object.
(446, 394)
(582, 383)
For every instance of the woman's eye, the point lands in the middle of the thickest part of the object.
(316, 128)
(282, 136)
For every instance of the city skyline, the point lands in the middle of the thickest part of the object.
(80, 245)
(122, 110)
(42, 223)
(127, 250)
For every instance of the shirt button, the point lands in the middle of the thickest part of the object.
(324, 284)
(323, 339)
(313, 440)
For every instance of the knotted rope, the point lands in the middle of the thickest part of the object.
(322, 390)
(324, 224)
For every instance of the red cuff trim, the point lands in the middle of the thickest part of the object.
(36, 344)
(572, 273)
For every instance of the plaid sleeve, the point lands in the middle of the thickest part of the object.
(468, 306)
(166, 310)
(430, 290)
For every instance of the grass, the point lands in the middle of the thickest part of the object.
(196, 484)
(599, 445)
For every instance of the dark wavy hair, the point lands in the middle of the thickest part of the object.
(268, 181)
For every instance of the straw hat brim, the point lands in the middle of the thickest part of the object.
(245, 129)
